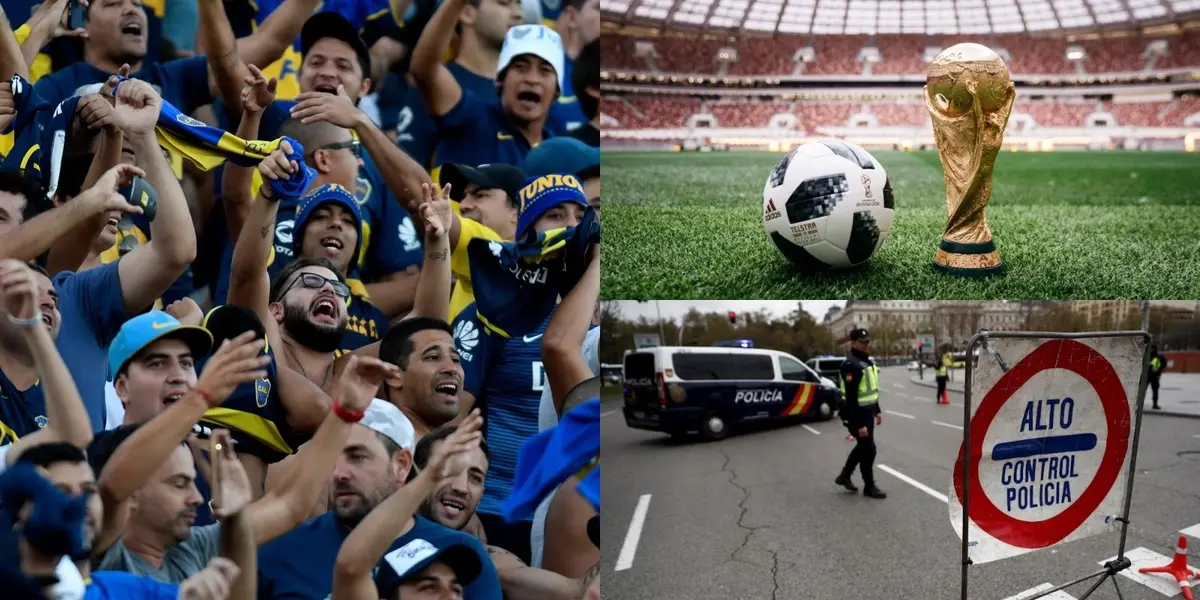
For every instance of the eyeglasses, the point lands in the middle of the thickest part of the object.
(313, 281)
(354, 146)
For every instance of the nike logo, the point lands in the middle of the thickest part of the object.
(532, 339)
(161, 325)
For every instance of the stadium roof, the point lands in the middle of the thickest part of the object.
(897, 16)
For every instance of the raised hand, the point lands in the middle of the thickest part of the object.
(465, 438)
(8, 105)
(231, 491)
(276, 166)
(237, 361)
(54, 17)
(213, 583)
(96, 111)
(103, 197)
(258, 91)
(338, 109)
(18, 293)
(137, 105)
(359, 381)
(186, 311)
(436, 210)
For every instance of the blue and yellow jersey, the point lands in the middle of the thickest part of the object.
(565, 113)
(22, 412)
(372, 18)
(416, 130)
(460, 261)
(257, 418)
(477, 131)
(365, 323)
(506, 377)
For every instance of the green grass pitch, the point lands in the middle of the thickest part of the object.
(1068, 225)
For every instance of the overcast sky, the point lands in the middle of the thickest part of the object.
(674, 309)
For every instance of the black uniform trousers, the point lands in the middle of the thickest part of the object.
(1153, 379)
(863, 454)
(941, 387)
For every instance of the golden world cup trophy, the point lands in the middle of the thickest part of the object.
(969, 95)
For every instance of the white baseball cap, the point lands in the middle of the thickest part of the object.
(384, 418)
(538, 40)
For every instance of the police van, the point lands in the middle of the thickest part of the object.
(678, 390)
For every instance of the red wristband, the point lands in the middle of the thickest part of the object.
(203, 394)
(347, 415)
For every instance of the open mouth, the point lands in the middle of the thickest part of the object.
(113, 222)
(173, 398)
(132, 28)
(325, 310)
(529, 100)
(452, 508)
(328, 89)
(332, 243)
(448, 390)
(47, 319)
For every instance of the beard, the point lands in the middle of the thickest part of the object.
(353, 513)
(321, 338)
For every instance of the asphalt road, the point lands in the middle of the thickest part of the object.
(757, 515)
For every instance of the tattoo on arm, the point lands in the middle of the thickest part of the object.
(439, 256)
(498, 551)
(591, 575)
(266, 229)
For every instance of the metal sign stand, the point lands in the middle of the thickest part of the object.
(1121, 562)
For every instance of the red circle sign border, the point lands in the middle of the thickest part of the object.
(1054, 354)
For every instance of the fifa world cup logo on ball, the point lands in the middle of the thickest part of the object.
(969, 95)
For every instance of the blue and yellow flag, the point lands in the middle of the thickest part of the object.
(205, 146)
(551, 457)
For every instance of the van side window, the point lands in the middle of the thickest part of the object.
(710, 367)
(794, 371)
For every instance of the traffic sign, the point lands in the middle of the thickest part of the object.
(1049, 442)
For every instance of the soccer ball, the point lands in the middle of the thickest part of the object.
(828, 205)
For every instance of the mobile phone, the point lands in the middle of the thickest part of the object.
(77, 15)
(142, 194)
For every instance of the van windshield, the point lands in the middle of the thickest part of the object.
(709, 367)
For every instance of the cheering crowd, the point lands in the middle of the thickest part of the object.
(299, 304)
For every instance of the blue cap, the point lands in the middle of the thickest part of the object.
(563, 156)
(400, 564)
(330, 192)
(145, 329)
(540, 194)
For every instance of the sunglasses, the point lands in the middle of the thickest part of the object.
(354, 146)
(313, 281)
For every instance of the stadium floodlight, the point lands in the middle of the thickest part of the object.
(1075, 52)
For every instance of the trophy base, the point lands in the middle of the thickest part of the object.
(968, 260)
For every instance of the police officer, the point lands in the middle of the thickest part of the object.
(1157, 364)
(942, 376)
(860, 413)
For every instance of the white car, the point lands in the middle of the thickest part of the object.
(914, 366)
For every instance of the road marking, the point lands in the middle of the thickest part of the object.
(1059, 595)
(602, 415)
(902, 395)
(899, 414)
(958, 427)
(1141, 557)
(811, 429)
(625, 558)
(913, 482)
(1193, 531)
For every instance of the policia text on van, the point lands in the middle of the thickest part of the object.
(679, 390)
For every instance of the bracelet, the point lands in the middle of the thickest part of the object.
(30, 322)
(204, 394)
(348, 416)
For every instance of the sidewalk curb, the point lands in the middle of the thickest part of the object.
(1145, 411)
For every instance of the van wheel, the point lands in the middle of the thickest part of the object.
(714, 427)
(825, 412)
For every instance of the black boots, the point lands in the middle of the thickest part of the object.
(874, 492)
(844, 481)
